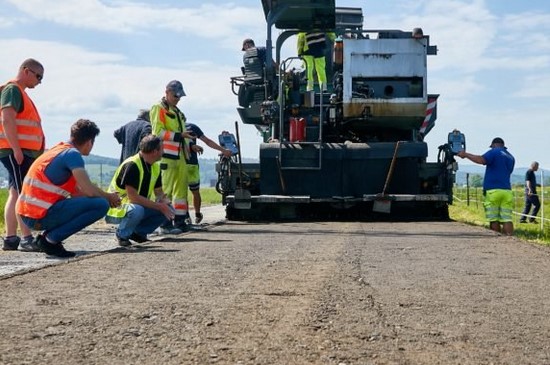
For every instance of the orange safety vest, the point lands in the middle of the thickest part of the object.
(39, 193)
(29, 129)
(171, 148)
(169, 122)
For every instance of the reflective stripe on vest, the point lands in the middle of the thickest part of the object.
(39, 193)
(120, 212)
(28, 125)
(170, 147)
(169, 123)
(314, 39)
(48, 187)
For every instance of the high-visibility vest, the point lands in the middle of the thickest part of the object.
(29, 128)
(39, 193)
(313, 39)
(168, 123)
(120, 211)
(313, 43)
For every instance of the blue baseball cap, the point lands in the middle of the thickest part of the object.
(176, 87)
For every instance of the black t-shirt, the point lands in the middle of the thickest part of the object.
(193, 156)
(129, 175)
(530, 176)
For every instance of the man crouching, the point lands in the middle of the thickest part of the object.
(58, 197)
(144, 205)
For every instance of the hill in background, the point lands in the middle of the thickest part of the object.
(518, 177)
(101, 170)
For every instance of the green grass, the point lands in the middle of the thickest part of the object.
(210, 197)
(473, 213)
(3, 198)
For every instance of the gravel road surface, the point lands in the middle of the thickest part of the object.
(286, 293)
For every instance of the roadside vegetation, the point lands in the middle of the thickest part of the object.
(468, 208)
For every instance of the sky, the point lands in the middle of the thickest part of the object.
(106, 59)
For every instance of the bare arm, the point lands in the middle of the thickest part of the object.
(162, 205)
(10, 128)
(210, 143)
(474, 158)
(87, 188)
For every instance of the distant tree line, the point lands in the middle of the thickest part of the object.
(101, 170)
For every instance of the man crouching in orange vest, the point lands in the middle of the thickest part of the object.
(58, 196)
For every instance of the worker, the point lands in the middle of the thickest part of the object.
(131, 133)
(497, 188)
(144, 206)
(58, 197)
(193, 165)
(312, 48)
(21, 142)
(531, 196)
(168, 122)
(248, 43)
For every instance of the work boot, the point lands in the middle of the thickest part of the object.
(183, 227)
(181, 223)
(138, 238)
(11, 243)
(123, 242)
(169, 229)
(29, 244)
(53, 249)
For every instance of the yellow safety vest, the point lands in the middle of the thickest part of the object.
(120, 211)
(168, 123)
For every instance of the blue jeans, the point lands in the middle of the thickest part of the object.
(138, 219)
(68, 216)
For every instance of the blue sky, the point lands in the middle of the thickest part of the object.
(106, 59)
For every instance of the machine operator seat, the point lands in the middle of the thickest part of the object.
(254, 64)
(253, 88)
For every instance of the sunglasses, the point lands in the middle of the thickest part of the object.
(38, 76)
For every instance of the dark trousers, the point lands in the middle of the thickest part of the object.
(531, 201)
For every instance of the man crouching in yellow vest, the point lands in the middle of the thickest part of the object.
(144, 205)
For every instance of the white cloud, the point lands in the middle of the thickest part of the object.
(208, 20)
(530, 21)
(535, 86)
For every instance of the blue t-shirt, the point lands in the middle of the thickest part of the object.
(193, 156)
(499, 166)
(60, 168)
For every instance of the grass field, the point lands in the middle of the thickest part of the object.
(468, 207)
